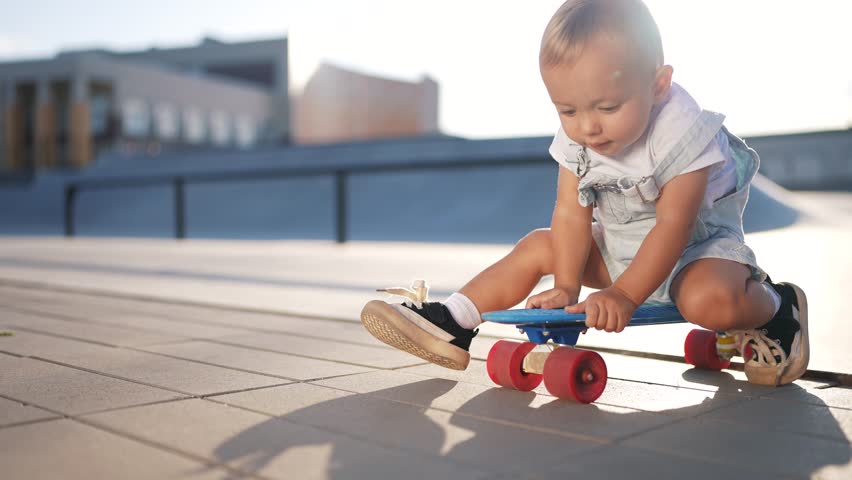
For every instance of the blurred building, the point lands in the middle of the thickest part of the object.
(338, 105)
(62, 111)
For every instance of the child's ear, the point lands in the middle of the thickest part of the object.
(662, 83)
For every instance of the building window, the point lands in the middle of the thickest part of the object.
(166, 122)
(246, 131)
(99, 114)
(194, 129)
(220, 128)
(136, 117)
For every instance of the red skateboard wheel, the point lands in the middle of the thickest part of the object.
(505, 365)
(578, 375)
(699, 349)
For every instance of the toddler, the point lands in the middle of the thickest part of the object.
(650, 196)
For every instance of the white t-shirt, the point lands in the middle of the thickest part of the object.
(669, 122)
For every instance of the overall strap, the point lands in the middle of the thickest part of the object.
(702, 131)
(694, 141)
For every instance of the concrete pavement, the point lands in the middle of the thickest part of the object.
(205, 359)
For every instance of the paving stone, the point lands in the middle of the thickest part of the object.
(528, 409)
(92, 332)
(260, 361)
(837, 397)
(774, 453)
(140, 322)
(464, 438)
(28, 344)
(190, 320)
(69, 390)
(72, 451)
(274, 447)
(378, 356)
(618, 461)
(148, 368)
(787, 416)
(12, 412)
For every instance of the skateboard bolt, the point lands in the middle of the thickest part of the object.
(588, 376)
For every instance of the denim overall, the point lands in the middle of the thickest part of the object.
(625, 207)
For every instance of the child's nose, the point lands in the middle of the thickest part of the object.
(589, 125)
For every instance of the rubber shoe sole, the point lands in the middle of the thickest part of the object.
(797, 363)
(392, 328)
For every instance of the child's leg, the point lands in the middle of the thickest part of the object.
(772, 318)
(510, 280)
(441, 332)
(720, 295)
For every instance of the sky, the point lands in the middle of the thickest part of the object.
(771, 66)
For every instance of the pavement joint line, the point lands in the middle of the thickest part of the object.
(817, 375)
(166, 448)
(104, 374)
(211, 364)
(30, 422)
(14, 355)
(64, 337)
(263, 349)
(243, 390)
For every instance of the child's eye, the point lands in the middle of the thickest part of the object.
(568, 113)
(610, 109)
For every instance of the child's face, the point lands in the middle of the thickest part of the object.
(604, 98)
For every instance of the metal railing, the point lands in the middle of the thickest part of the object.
(341, 176)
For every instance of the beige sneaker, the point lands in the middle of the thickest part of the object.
(780, 349)
(426, 330)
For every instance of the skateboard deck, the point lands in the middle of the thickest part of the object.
(541, 325)
(646, 314)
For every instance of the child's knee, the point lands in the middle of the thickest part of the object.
(714, 306)
(536, 240)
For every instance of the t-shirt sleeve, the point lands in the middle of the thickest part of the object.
(672, 123)
(710, 156)
(562, 151)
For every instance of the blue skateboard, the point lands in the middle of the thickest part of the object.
(575, 374)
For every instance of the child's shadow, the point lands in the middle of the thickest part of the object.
(371, 437)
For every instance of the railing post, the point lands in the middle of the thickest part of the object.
(340, 197)
(180, 209)
(70, 195)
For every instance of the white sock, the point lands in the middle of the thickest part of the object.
(463, 311)
(776, 299)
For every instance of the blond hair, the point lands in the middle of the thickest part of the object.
(578, 21)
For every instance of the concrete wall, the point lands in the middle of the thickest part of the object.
(807, 161)
(339, 105)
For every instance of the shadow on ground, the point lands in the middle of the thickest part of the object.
(505, 433)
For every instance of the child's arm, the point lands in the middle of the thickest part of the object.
(571, 233)
(677, 211)
(610, 309)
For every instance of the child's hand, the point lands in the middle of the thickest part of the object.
(553, 298)
(608, 309)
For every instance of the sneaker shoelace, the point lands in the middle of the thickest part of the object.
(766, 351)
(414, 296)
